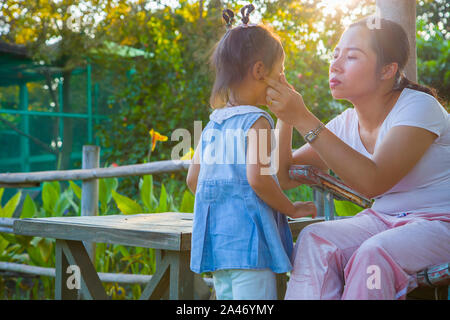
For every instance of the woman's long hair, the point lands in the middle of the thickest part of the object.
(391, 45)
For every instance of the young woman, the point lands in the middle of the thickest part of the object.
(393, 146)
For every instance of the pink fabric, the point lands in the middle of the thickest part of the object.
(335, 259)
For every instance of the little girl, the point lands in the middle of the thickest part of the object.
(240, 230)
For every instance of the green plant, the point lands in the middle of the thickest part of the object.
(346, 208)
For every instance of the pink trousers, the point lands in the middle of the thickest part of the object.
(369, 256)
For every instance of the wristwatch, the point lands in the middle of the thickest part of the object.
(311, 135)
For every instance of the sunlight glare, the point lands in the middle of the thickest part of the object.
(329, 6)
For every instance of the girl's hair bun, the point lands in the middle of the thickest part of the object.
(245, 11)
(228, 16)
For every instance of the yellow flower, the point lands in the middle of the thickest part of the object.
(156, 136)
(188, 155)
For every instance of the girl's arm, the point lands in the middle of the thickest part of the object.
(265, 185)
(304, 155)
(194, 169)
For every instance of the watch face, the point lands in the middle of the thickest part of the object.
(309, 137)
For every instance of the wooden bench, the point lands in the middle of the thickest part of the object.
(168, 233)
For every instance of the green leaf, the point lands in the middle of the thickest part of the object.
(346, 208)
(106, 186)
(187, 203)
(122, 250)
(3, 244)
(46, 248)
(147, 196)
(11, 205)
(22, 241)
(29, 208)
(162, 206)
(50, 196)
(61, 204)
(102, 190)
(125, 204)
(56, 185)
(35, 254)
(76, 189)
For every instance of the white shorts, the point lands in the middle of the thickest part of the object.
(245, 284)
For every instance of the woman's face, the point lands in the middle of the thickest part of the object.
(352, 71)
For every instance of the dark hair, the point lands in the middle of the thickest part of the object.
(238, 50)
(390, 43)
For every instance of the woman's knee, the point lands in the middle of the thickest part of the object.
(311, 230)
(369, 248)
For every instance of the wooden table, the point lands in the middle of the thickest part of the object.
(169, 233)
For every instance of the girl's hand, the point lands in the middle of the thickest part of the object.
(303, 209)
(286, 103)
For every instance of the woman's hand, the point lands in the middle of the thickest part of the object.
(286, 103)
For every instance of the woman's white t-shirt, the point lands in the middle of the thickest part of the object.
(426, 188)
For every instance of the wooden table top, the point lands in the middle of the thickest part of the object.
(168, 230)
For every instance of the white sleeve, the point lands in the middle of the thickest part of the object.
(423, 111)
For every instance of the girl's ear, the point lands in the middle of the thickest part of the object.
(258, 70)
(389, 71)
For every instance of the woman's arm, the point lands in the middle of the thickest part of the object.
(400, 151)
(304, 155)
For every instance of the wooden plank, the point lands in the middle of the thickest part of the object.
(160, 282)
(23, 224)
(169, 227)
(181, 276)
(138, 238)
(86, 174)
(89, 190)
(62, 292)
(76, 254)
(172, 221)
(201, 288)
(298, 224)
(281, 285)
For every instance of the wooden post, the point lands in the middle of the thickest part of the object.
(404, 13)
(89, 191)
(62, 292)
(319, 202)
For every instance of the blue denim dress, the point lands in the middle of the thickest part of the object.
(233, 228)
